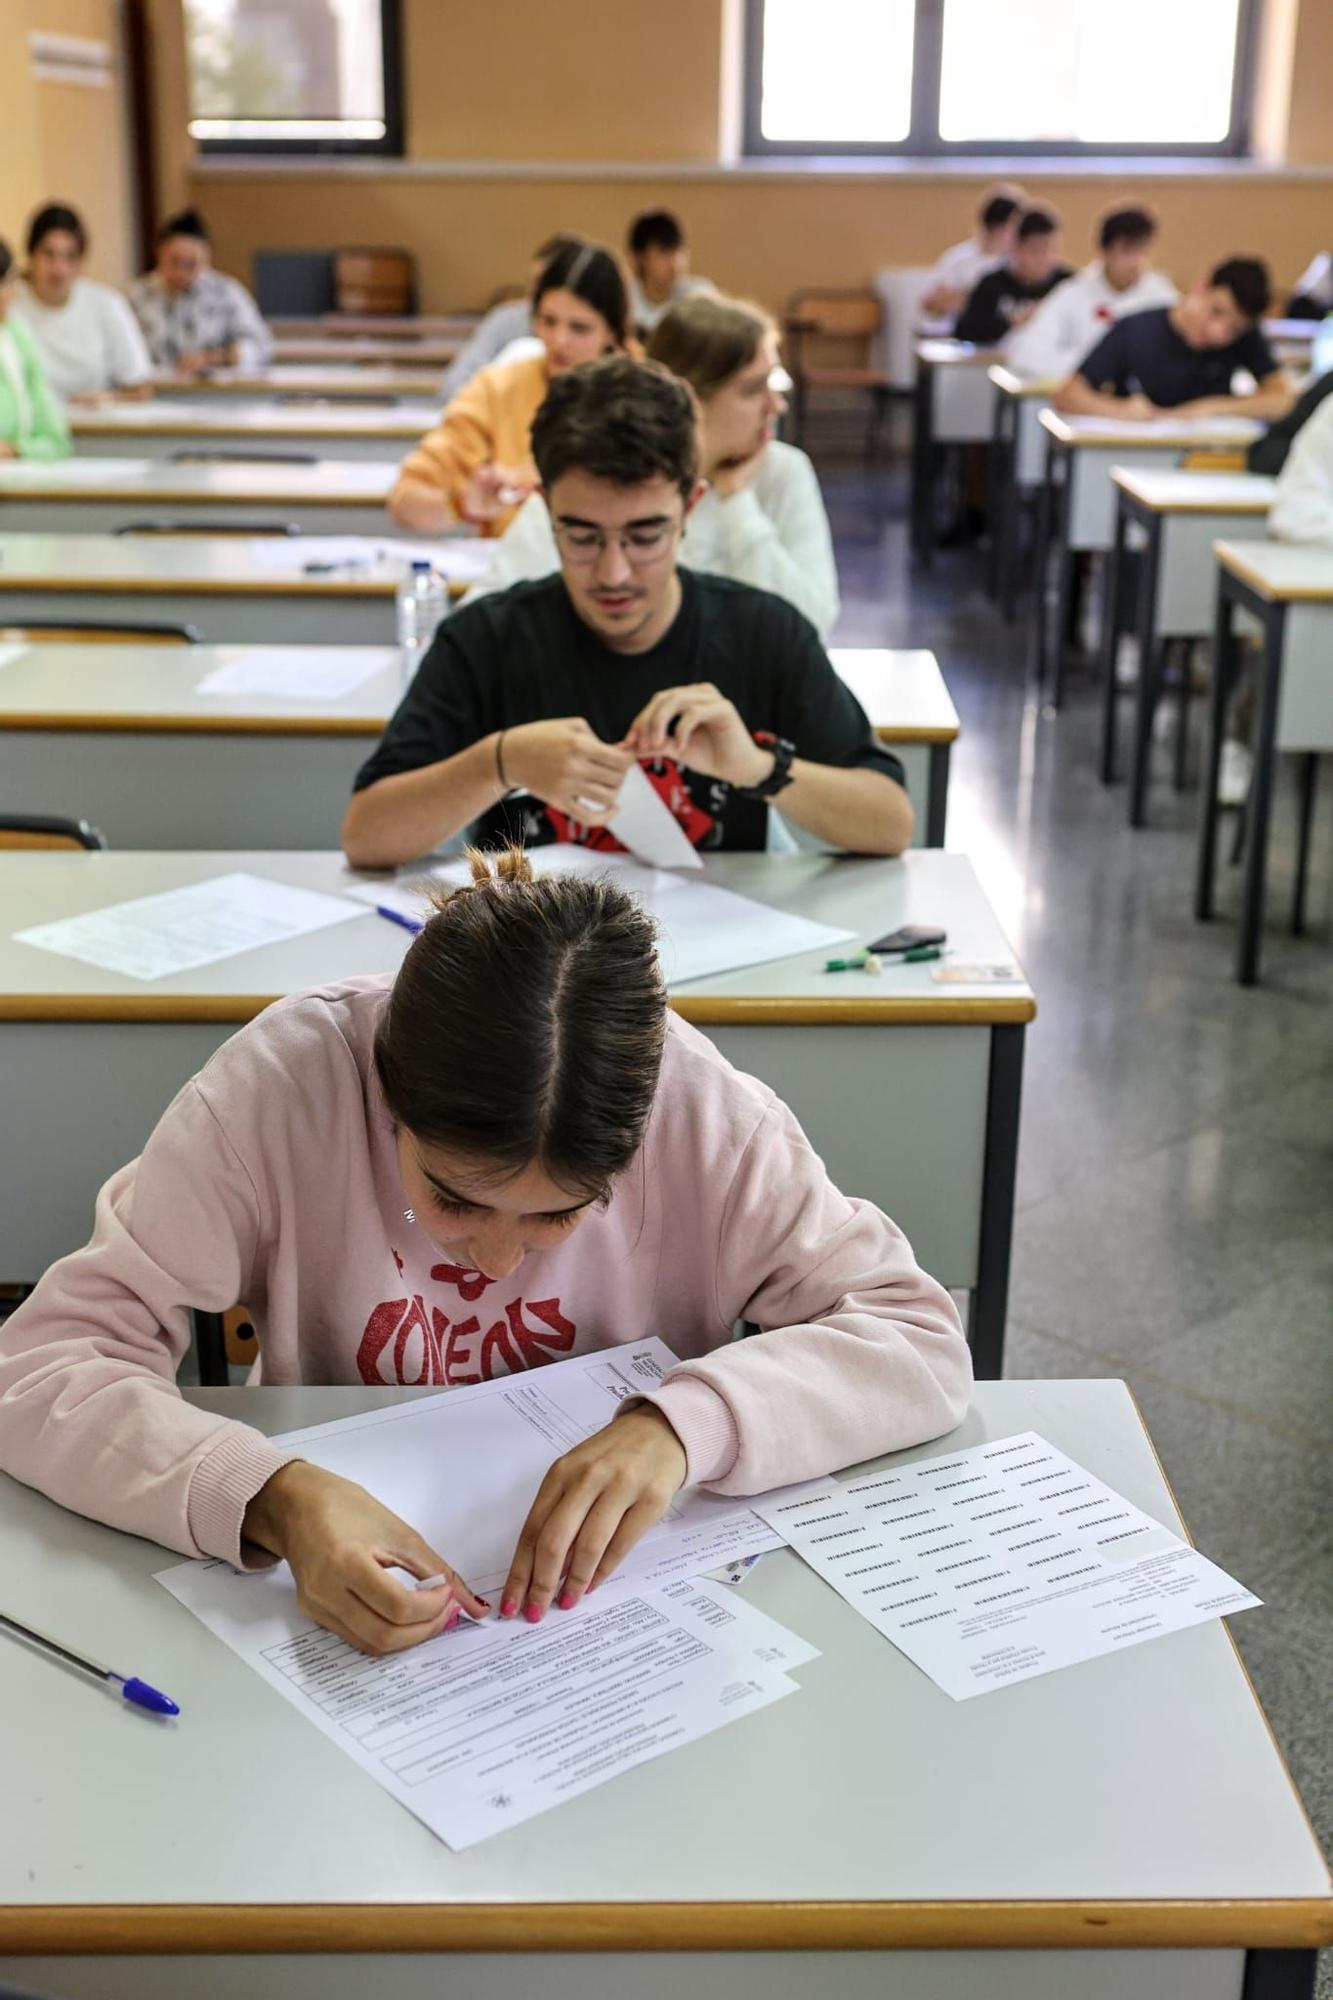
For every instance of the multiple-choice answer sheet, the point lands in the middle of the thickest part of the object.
(298, 673)
(493, 1722)
(1001, 1562)
(152, 937)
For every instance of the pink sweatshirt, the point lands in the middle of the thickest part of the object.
(271, 1179)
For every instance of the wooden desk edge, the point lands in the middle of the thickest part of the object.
(719, 1011)
(295, 585)
(1234, 561)
(149, 496)
(193, 1929)
(1123, 480)
(159, 723)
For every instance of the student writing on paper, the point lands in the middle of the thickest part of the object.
(32, 421)
(508, 1154)
(1119, 281)
(476, 465)
(88, 338)
(193, 317)
(1005, 298)
(762, 519)
(1184, 358)
(661, 274)
(531, 704)
(959, 268)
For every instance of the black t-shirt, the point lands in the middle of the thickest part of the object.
(524, 655)
(996, 298)
(1144, 352)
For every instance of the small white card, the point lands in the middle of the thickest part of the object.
(646, 825)
(298, 673)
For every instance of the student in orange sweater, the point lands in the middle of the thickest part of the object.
(476, 465)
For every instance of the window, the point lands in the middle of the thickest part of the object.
(997, 76)
(294, 76)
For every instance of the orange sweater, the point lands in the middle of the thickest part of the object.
(488, 422)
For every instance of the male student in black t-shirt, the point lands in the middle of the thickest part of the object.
(1004, 299)
(1183, 357)
(532, 704)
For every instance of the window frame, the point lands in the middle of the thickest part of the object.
(390, 146)
(923, 140)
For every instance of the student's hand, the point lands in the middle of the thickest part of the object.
(341, 1545)
(732, 476)
(8, 450)
(703, 731)
(567, 766)
(1139, 409)
(196, 362)
(493, 490)
(590, 1510)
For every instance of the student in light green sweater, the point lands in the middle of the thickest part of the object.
(32, 420)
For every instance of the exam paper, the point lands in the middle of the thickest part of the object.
(155, 936)
(298, 673)
(1001, 1562)
(459, 559)
(8, 654)
(645, 824)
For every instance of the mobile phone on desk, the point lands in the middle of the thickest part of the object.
(908, 937)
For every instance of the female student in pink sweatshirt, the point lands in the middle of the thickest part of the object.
(510, 1153)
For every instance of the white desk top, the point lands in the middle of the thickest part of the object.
(1175, 490)
(1010, 384)
(866, 896)
(105, 685)
(1140, 1793)
(400, 423)
(939, 353)
(1298, 331)
(1287, 572)
(236, 565)
(350, 379)
(372, 350)
(1163, 433)
(331, 482)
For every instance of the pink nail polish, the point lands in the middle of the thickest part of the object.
(451, 1620)
(508, 1608)
(567, 1600)
(533, 1614)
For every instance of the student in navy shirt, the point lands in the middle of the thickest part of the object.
(1183, 357)
(1003, 299)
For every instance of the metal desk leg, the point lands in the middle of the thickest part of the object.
(937, 797)
(1261, 796)
(1149, 688)
(1304, 825)
(1041, 562)
(1223, 668)
(1280, 1975)
(989, 1303)
(923, 466)
(1064, 585)
(1001, 501)
(1112, 621)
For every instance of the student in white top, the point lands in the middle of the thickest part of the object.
(89, 340)
(503, 325)
(959, 269)
(1312, 294)
(1303, 504)
(762, 520)
(659, 267)
(1120, 280)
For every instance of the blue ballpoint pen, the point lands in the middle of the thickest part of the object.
(136, 1692)
(397, 917)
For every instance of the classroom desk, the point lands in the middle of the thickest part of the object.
(1175, 516)
(1288, 588)
(404, 327)
(861, 1060)
(1124, 1829)
(402, 381)
(1018, 466)
(375, 352)
(120, 735)
(232, 587)
(306, 432)
(98, 495)
(954, 405)
(1076, 510)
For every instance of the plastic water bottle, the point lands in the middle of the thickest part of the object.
(422, 603)
(1321, 348)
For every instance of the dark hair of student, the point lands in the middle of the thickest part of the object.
(56, 216)
(706, 340)
(527, 1025)
(619, 419)
(1126, 225)
(563, 239)
(6, 260)
(1037, 222)
(997, 211)
(188, 223)
(1246, 278)
(594, 275)
(655, 229)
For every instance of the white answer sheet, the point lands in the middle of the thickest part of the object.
(702, 930)
(1000, 1562)
(645, 824)
(12, 652)
(298, 673)
(154, 936)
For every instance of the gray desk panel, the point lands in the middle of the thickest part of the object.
(303, 619)
(77, 516)
(256, 444)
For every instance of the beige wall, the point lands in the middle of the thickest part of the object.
(64, 141)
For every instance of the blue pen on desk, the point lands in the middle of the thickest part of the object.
(412, 924)
(136, 1692)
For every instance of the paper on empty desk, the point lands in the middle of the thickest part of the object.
(8, 654)
(462, 558)
(1001, 1562)
(154, 936)
(298, 673)
(702, 930)
(645, 824)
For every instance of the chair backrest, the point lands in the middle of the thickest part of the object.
(834, 315)
(207, 528)
(34, 830)
(80, 631)
(374, 280)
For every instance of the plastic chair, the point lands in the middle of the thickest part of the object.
(77, 631)
(45, 831)
(222, 1341)
(849, 320)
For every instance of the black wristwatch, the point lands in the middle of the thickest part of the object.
(780, 776)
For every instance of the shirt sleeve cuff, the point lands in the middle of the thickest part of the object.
(223, 1485)
(703, 1422)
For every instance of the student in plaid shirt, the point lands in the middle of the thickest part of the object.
(193, 318)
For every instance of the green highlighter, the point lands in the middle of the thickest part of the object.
(867, 961)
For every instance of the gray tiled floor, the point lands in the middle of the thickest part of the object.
(1176, 1165)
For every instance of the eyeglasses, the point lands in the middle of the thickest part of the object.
(641, 547)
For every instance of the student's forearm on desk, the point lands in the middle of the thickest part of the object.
(1075, 398)
(860, 810)
(421, 509)
(1272, 401)
(398, 818)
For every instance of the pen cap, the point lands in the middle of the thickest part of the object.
(143, 1696)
